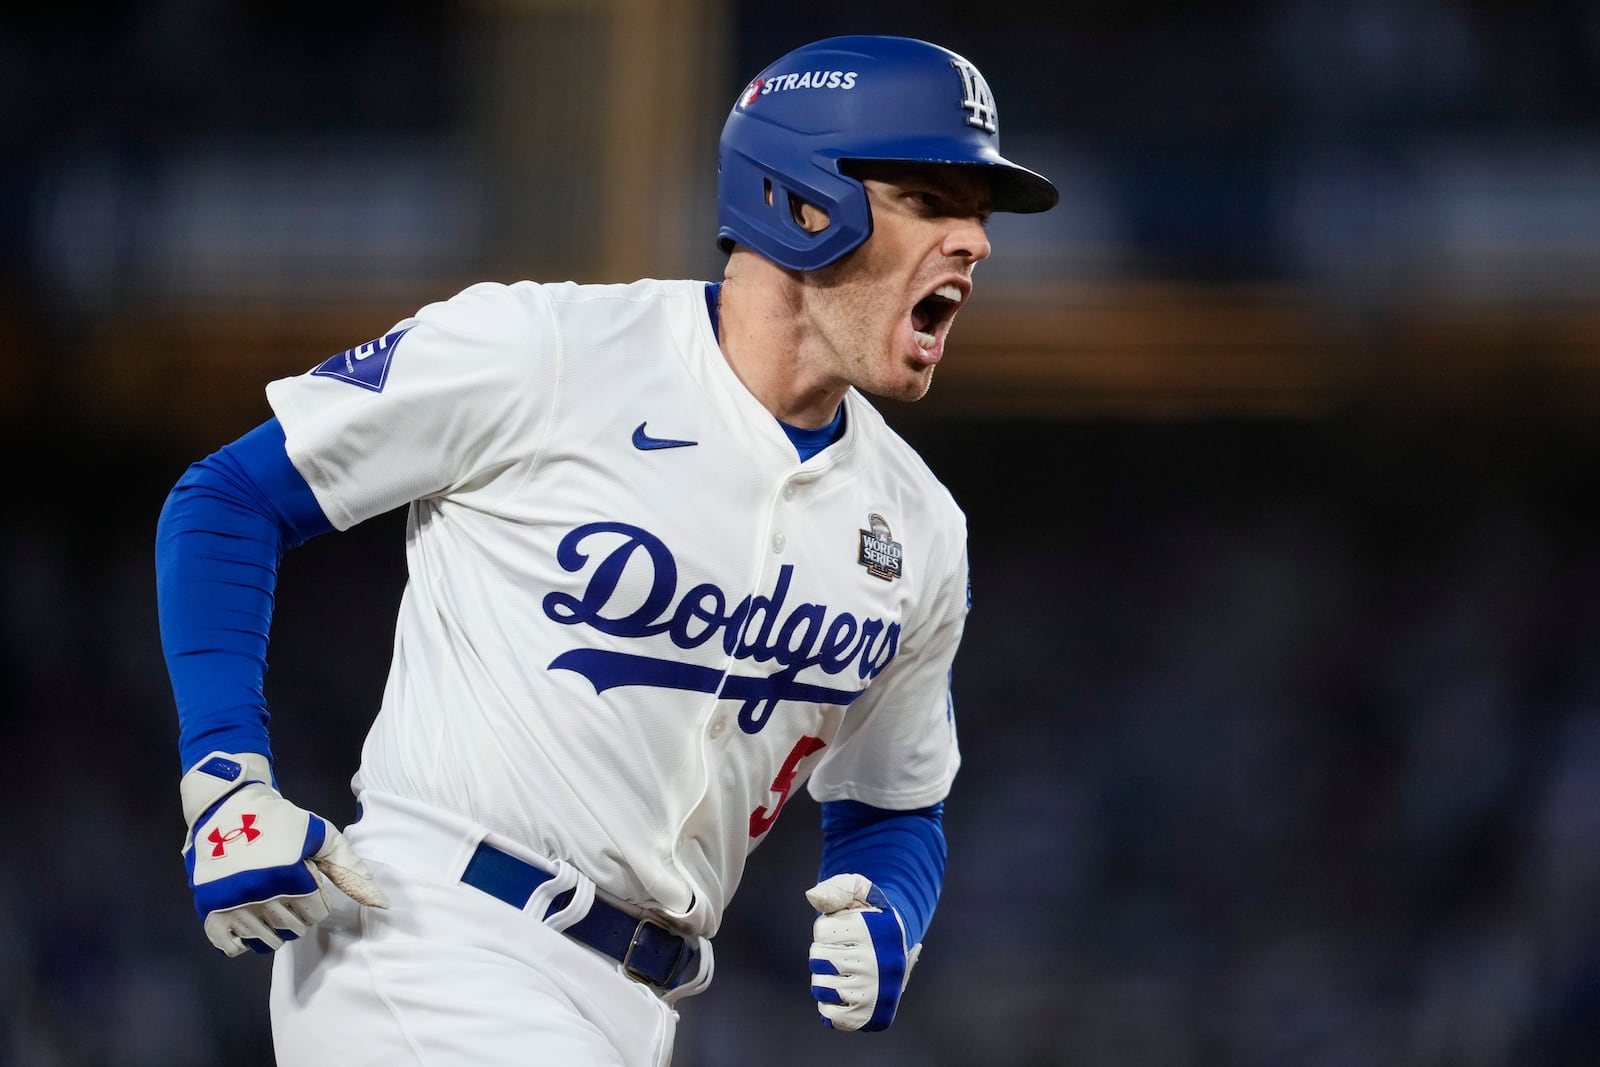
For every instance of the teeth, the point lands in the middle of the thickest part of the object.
(950, 293)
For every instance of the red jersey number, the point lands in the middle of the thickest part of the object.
(761, 819)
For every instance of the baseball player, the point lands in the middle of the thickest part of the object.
(666, 565)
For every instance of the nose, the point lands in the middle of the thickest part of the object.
(967, 239)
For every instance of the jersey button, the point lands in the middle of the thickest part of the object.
(718, 725)
(789, 492)
(778, 541)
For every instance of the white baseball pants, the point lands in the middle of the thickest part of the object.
(449, 975)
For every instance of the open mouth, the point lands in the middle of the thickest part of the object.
(933, 312)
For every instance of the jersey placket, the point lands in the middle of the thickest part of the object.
(716, 727)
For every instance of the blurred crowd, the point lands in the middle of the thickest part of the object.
(1381, 151)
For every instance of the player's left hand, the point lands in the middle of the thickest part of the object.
(860, 962)
(257, 862)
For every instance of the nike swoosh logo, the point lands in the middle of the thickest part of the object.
(644, 442)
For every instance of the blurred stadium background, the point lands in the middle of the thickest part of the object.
(1280, 705)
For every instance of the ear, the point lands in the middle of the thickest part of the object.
(809, 217)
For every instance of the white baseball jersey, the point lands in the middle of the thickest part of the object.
(635, 621)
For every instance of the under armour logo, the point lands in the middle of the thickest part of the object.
(247, 830)
(976, 98)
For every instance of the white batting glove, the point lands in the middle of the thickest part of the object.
(254, 858)
(859, 959)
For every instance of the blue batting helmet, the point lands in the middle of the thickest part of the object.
(853, 98)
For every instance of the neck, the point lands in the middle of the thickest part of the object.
(765, 340)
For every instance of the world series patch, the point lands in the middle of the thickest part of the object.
(880, 552)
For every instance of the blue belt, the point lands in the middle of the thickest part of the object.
(647, 950)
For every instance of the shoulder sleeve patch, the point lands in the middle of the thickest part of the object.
(364, 365)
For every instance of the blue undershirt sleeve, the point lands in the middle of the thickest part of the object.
(219, 540)
(902, 852)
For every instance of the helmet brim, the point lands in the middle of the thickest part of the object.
(1018, 189)
(1012, 188)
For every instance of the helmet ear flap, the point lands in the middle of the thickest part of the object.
(766, 211)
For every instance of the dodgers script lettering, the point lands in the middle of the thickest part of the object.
(760, 628)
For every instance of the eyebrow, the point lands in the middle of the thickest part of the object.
(959, 188)
(967, 191)
(961, 185)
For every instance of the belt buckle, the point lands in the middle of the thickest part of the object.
(638, 975)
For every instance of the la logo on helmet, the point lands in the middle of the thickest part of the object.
(977, 99)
